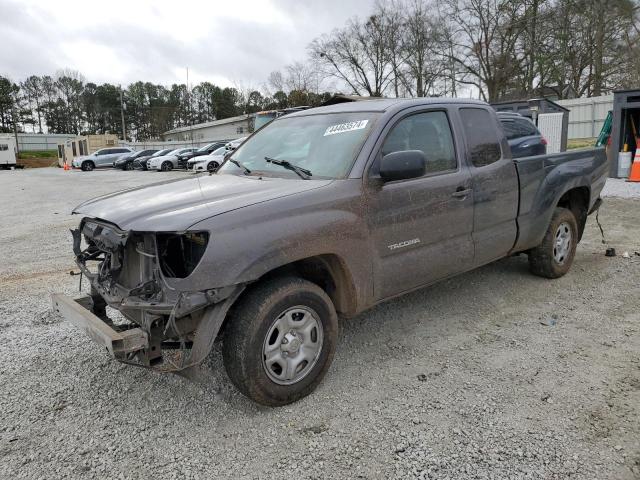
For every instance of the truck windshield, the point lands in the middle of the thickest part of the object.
(325, 145)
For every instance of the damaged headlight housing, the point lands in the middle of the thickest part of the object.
(180, 253)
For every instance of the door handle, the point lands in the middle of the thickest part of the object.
(461, 192)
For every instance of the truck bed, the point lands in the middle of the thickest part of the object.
(544, 179)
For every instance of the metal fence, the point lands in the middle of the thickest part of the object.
(41, 141)
(159, 144)
(587, 115)
(50, 141)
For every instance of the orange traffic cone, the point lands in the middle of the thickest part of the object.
(634, 175)
(66, 166)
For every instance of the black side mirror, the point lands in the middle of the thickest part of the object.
(403, 165)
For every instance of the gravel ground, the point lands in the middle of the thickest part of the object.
(494, 374)
(618, 187)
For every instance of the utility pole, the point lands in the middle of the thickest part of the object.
(189, 109)
(15, 128)
(124, 132)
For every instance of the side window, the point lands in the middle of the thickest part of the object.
(73, 148)
(482, 139)
(429, 132)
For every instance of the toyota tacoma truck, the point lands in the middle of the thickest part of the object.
(318, 216)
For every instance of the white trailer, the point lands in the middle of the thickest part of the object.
(8, 152)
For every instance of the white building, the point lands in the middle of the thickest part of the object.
(225, 129)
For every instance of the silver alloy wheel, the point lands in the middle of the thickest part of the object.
(292, 345)
(562, 243)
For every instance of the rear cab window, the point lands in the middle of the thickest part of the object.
(481, 133)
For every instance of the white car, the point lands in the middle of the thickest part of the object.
(169, 161)
(209, 163)
(233, 144)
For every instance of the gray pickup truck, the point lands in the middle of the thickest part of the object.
(319, 215)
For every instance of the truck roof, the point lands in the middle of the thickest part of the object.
(384, 105)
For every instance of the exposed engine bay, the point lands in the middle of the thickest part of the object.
(139, 274)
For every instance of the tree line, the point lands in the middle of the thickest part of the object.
(497, 49)
(66, 103)
(504, 49)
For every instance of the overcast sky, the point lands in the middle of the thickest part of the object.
(119, 41)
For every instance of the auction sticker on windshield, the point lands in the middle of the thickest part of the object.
(346, 127)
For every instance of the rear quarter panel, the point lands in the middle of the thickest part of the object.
(544, 179)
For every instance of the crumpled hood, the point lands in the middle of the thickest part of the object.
(175, 205)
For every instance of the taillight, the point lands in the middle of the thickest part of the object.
(543, 141)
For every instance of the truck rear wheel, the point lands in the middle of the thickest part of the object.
(280, 341)
(554, 256)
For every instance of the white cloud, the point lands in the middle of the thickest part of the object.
(127, 40)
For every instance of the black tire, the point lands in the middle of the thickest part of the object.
(128, 166)
(546, 260)
(213, 166)
(166, 166)
(87, 166)
(246, 332)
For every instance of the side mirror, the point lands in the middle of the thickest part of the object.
(403, 165)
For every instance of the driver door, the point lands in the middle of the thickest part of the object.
(421, 227)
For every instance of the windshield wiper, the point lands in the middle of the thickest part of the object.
(302, 172)
(236, 162)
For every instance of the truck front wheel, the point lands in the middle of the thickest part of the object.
(280, 340)
(554, 256)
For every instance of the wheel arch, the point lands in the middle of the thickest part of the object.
(577, 200)
(329, 272)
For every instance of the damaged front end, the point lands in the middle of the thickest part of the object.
(170, 323)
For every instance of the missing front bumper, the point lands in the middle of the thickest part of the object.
(77, 310)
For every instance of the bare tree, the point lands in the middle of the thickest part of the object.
(357, 55)
(484, 38)
(421, 48)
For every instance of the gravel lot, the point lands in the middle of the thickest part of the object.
(493, 374)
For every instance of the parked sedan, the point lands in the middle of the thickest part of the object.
(233, 144)
(169, 161)
(141, 162)
(100, 158)
(125, 162)
(206, 150)
(210, 163)
(523, 136)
